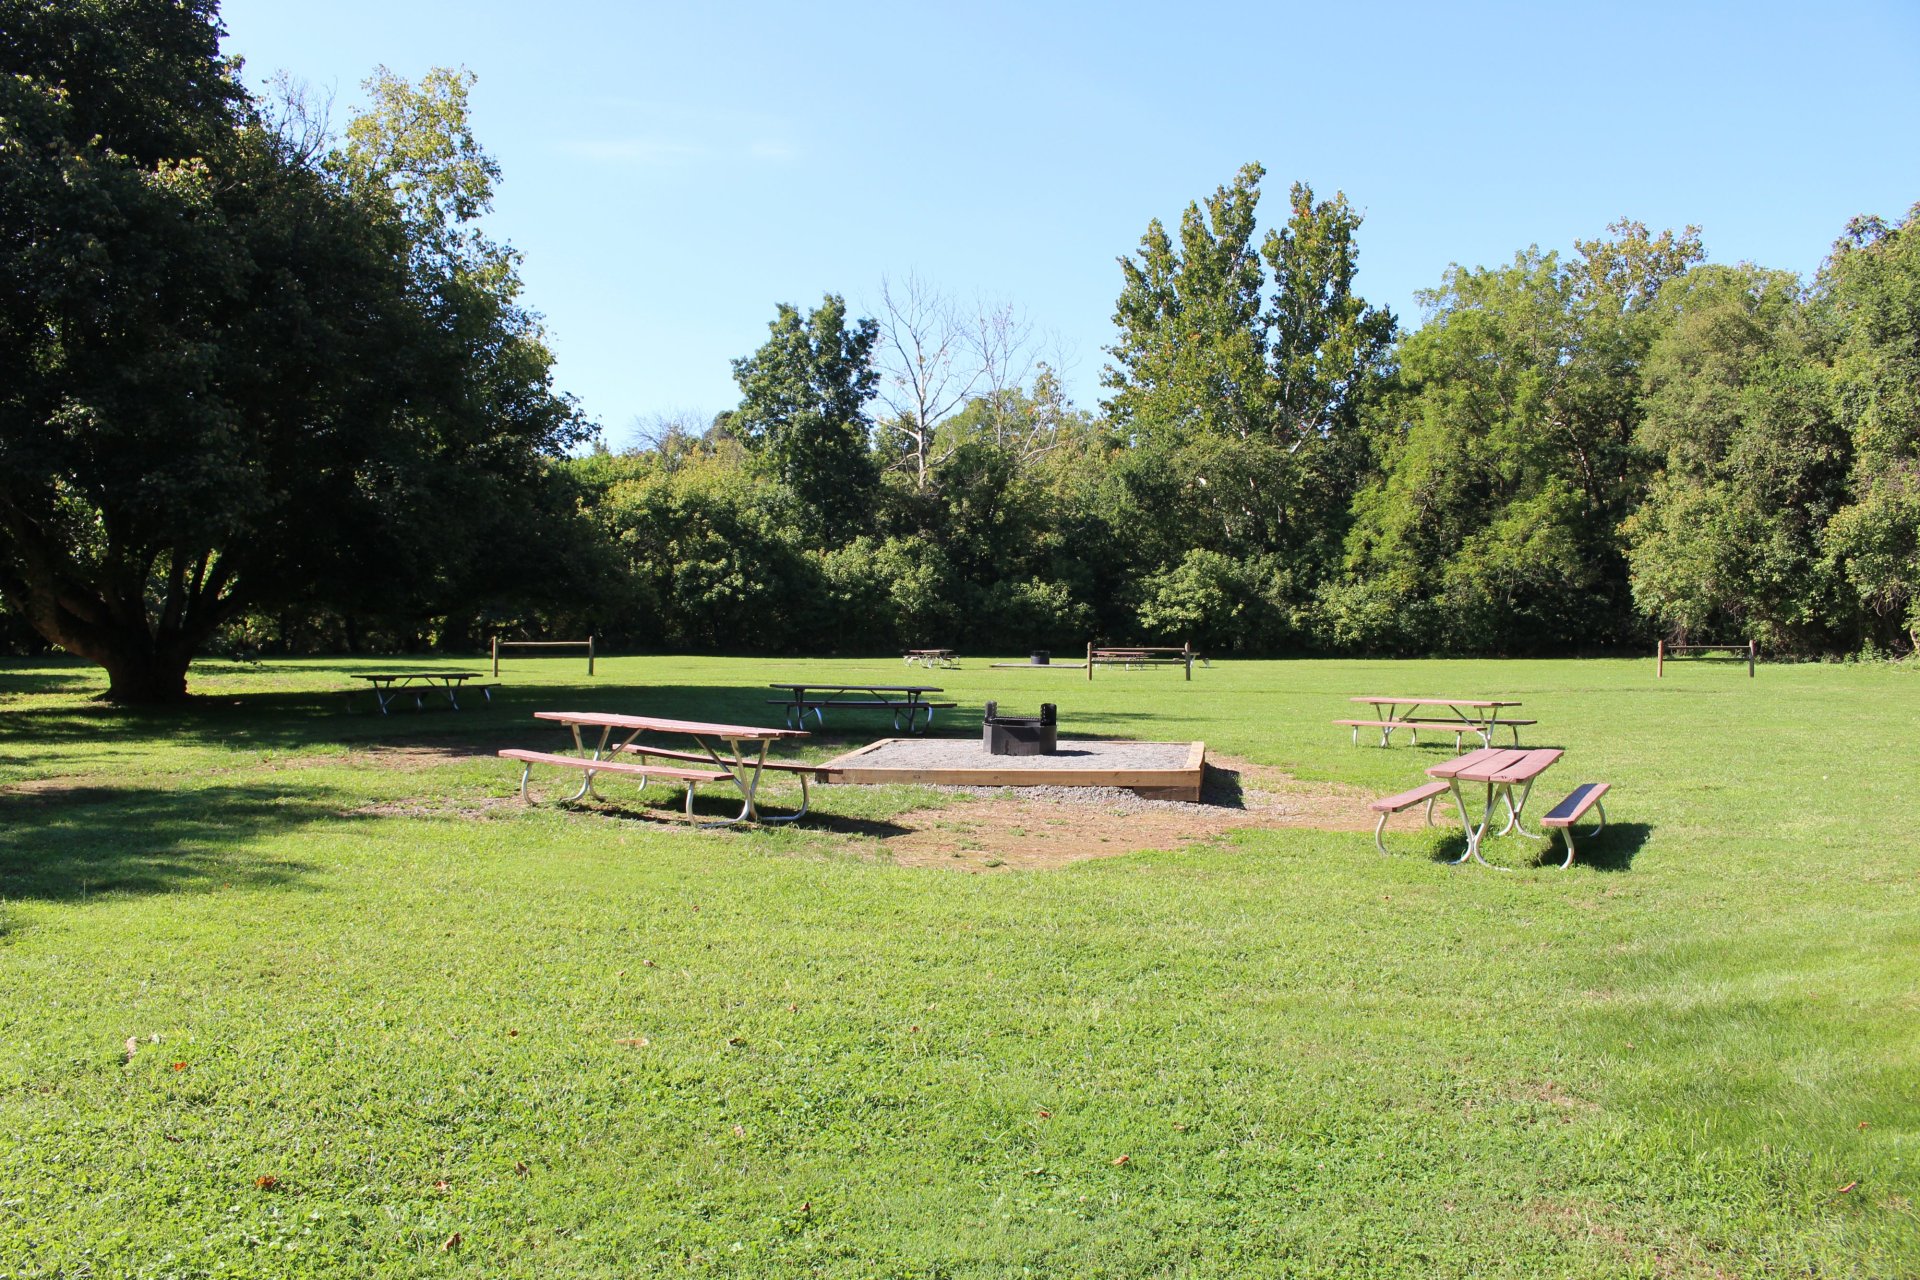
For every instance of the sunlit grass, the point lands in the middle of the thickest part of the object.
(591, 1044)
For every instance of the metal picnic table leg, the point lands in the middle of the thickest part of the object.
(1514, 811)
(586, 782)
(748, 811)
(1474, 837)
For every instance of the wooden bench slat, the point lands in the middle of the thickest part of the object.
(1524, 768)
(1570, 810)
(1407, 799)
(865, 706)
(616, 766)
(635, 748)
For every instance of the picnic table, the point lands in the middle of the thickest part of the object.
(902, 700)
(1500, 770)
(931, 658)
(388, 686)
(1458, 716)
(730, 753)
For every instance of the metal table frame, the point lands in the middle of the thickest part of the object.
(913, 705)
(1461, 709)
(1501, 770)
(387, 686)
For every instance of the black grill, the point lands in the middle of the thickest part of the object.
(1020, 735)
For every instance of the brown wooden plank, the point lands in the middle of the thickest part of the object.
(1575, 806)
(1537, 762)
(641, 749)
(605, 720)
(1408, 799)
(616, 766)
(1435, 702)
(1459, 766)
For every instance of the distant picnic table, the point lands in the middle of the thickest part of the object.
(389, 686)
(1134, 656)
(902, 700)
(1458, 716)
(931, 658)
(730, 753)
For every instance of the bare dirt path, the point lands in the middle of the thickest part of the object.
(1036, 827)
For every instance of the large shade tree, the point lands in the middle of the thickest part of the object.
(1243, 402)
(242, 371)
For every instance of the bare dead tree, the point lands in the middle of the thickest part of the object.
(672, 437)
(300, 116)
(928, 369)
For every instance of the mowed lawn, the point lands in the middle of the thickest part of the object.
(384, 1021)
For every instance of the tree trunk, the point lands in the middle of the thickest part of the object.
(138, 674)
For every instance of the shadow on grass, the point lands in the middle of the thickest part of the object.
(282, 720)
(62, 843)
(1613, 849)
(41, 682)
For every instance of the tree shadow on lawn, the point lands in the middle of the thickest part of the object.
(63, 843)
(1613, 849)
(281, 720)
(41, 681)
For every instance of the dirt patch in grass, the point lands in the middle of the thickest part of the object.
(1679, 1257)
(400, 758)
(1027, 828)
(472, 807)
(43, 786)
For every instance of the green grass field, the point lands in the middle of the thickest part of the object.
(387, 1024)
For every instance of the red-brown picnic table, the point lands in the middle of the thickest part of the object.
(730, 752)
(1500, 770)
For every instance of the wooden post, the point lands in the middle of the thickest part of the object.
(1186, 650)
(1752, 646)
(589, 655)
(1089, 659)
(1659, 658)
(496, 657)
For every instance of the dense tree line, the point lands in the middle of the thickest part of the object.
(271, 385)
(1571, 453)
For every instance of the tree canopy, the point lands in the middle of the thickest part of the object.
(245, 375)
(273, 380)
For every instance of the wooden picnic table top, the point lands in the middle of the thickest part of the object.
(929, 651)
(830, 687)
(1498, 765)
(1379, 701)
(694, 728)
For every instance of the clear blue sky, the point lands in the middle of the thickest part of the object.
(674, 170)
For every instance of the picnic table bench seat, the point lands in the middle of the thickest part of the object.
(1458, 728)
(590, 767)
(782, 766)
(818, 706)
(1426, 793)
(616, 766)
(848, 702)
(1569, 811)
